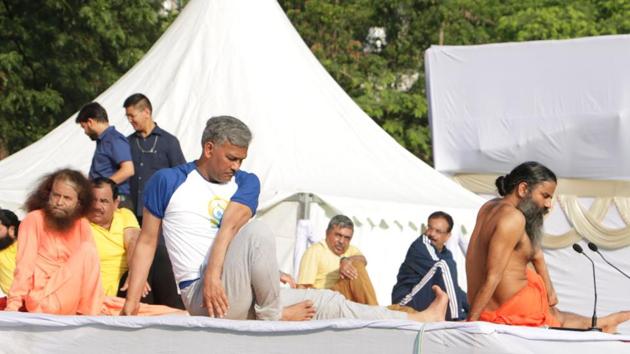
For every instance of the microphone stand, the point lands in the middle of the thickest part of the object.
(579, 249)
(595, 249)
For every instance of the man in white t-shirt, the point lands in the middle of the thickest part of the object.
(225, 265)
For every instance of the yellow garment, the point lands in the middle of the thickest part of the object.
(320, 265)
(7, 267)
(111, 249)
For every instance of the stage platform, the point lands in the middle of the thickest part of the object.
(38, 333)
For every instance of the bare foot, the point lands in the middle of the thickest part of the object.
(302, 311)
(436, 311)
(609, 323)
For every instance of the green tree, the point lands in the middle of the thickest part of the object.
(56, 55)
(390, 85)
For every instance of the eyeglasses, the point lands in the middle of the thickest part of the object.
(441, 232)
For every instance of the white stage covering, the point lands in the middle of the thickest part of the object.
(38, 333)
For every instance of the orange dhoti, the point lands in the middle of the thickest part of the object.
(359, 290)
(528, 307)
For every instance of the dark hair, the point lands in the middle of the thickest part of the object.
(100, 182)
(340, 220)
(530, 172)
(92, 110)
(445, 216)
(38, 199)
(8, 219)
(139, 101)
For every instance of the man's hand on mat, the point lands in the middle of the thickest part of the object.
(347, 270)
(145, 291)
(214, 298)
(130, 309)
(287, 279)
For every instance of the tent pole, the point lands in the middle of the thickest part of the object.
(304, 211)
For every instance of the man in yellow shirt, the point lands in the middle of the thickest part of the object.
(9, 224)
(334, 264)
(115, 233)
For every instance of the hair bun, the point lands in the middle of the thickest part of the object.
(500, 183)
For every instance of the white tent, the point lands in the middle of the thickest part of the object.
(565, 104)
(311, 141)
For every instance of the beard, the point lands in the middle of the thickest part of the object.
(60, 219)
(534, 217)
(5, 242)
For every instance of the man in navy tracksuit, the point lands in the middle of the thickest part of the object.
(429, 262)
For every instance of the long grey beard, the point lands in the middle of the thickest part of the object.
(534, 217)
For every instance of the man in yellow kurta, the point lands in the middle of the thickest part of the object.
(9, 224)
(334, 264)
(115, 232)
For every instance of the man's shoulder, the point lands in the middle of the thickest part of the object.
(33, 216)
(174, 174)
(447, 254)
(163, 184)
(422, 248)
(113, 134)
(317, 246)
(242, 177)
(501, 214)
(126, 217)
(353, 251)
(316, 249)
(165, 134)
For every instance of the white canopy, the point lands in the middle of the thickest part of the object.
(244, 58)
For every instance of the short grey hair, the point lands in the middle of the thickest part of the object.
(222, 128)
(342, 221)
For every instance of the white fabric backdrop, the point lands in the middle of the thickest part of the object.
(564, 103)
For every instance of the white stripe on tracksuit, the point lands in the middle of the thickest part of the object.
(446, 277)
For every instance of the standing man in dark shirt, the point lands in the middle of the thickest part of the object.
(152, 149)
(112, 157)
(429, 262)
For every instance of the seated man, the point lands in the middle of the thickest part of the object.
(429, 262)
(501, 286)
(115, 233)
(57, 267)
(225, 265)
(9, 225)
(335, 264)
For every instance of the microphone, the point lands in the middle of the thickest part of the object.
(577, 248)
(594, 248)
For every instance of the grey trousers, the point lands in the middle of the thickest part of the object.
(251, 281)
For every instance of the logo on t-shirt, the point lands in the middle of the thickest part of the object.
(216, 207)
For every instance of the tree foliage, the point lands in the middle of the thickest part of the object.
(378, 81)
(56, 55)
